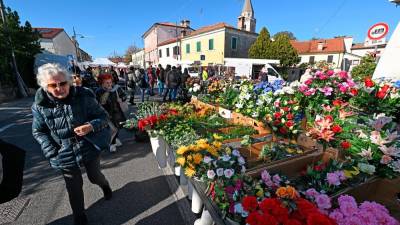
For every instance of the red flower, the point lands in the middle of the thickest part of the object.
(268, 220)
(290, 116)
(173, 112)
(345, 145)
(318, 218)
(272, 206)
(289, 123)
(336, 129)
(163, 117)
(329, 117)
(282, 130)
(381, 94)
(354, 91)
(285, 109)
(337, 102)
(278, 115)
(250, 203)
(369, 83)
(277, 122)
(304, 209)
(293, 222)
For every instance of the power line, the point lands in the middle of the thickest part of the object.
(330, 18)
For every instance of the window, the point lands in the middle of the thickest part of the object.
(198, 46)
(176, 50)
(159, 53)
(167, 52)
(211, 44)
(312, 59)
(234, 43)
(330, 59)
(187, 48)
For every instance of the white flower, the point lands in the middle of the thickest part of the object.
(395, 165)
(296, 107)
(226, 158)
(283, 120)
(241, 160)
(247, 96)
(210, 174)
(220, 172)
(279, 92)
(395, 95)
(295, 131)
(366, 153)
(254, 115)
(235, 153)
(288, 90)
(295, 84)
(239, 105)
(229, 173)
(207, 159)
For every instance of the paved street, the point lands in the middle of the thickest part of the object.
(142, 194)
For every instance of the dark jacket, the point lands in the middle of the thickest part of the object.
(54, 122)
(109, 101)
(173, 79)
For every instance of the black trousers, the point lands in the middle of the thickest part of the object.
(74, 182)
(13, 170)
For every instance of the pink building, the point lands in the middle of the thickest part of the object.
(161, 32)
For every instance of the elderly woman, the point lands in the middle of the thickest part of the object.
(72, 129)
(111, 97)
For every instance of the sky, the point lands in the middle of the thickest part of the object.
(109, 27)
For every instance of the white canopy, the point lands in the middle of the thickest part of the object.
(122, 65)
(102, 62)
(389, 66)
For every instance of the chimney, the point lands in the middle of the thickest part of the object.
(321, 46)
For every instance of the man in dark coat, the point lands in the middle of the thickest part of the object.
(72, 129)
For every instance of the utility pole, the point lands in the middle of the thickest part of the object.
(22, 89)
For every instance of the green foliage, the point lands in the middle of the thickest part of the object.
(26, 45)
(261, 49)
(288, 33)
(229, 97)
(284, 51)
(365, 69)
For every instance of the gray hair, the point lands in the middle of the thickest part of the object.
(49, 70)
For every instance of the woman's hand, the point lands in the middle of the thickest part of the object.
(83, 130)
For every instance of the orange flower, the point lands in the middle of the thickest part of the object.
(287, 192)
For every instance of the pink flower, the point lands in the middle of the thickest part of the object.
(277, 104)
(303, 88)
(351, 83)
(343, 75)
(348, 205)
(326, 90)
(330, 73)
(386, 159)
(343, 87)
(308, 82)
(337, 216)
(310, 92)
(323, 201)
(323, 77)
(277, 179)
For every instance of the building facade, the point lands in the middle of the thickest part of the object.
(138, 59)
(56, 41)
(169, 52)
(161, 32)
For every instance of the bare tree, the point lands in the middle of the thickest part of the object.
(132, 49)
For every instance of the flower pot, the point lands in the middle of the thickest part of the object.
(205, 219)
(158, 146)
(197, 203)
(183, 180)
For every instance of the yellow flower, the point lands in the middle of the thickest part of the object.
(351, 173)
(189, 172)
(197, 158)
(217, 137)
(182, 150)
(213, 152)
(181, 161)
(189, 158)
(217, 144)
(203, 146)
(290, 150)
(201, 141)
(228, 151)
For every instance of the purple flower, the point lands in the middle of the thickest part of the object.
(326, 90)
(337, 216)
(373, 207)
(311, 193)
(265, 176)
(333, 179)
(341, 175)
(277, 179)
(347, 205)
(323, 201)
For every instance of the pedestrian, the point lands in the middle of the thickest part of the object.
(76, 80)
(185, 76)
(132, 84)
(72, 129)
(204, 75)
(111, 97)
(172, 82)
(13, 161)
(160, 79)
(114, 75)
(263, 75)
(152, 79)
(143, 84)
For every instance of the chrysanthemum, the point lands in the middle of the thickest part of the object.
(180, 161)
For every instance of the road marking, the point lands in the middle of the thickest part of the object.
(6, 127)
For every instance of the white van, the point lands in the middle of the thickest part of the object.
(251, 68)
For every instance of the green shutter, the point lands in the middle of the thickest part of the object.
(211, 44)
(198, 45)
(187, 48)
(234, 43)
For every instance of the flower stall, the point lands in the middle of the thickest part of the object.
(326, 151)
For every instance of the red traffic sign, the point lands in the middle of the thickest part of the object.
(378, 31)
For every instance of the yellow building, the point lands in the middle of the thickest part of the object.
(211, 44)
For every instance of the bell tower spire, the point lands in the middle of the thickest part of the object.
(246, 20)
